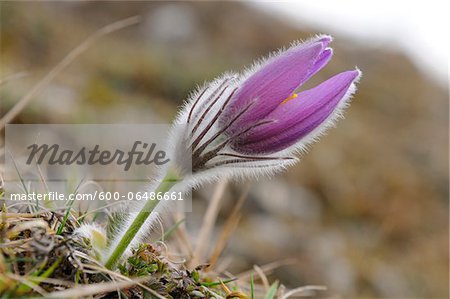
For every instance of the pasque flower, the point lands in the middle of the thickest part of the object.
(256, 121)
(249, 124)
(273, 116)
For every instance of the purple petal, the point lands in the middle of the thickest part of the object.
(298, 117)
(322, 61)
(325, 40)
(275, 81)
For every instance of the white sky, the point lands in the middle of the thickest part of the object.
(421, 28)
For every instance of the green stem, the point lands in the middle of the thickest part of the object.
(169, 180)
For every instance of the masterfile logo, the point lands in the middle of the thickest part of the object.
(141, 153)
(112, 161)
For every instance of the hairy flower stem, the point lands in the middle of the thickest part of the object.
(166, 184)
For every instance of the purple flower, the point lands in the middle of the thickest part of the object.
(253, 123)
(245, 125)
(268, 116)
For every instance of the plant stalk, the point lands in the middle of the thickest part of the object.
(166, 184)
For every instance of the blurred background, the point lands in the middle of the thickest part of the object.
(365, 213)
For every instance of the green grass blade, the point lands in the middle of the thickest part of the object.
(272, 291)
(37, 277)
(69, 208)
(64, 221)
(252, 287)
(216, 283)
(170, 231)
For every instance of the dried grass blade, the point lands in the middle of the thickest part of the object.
(229, 227)
(67, 60)
(208, 224)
